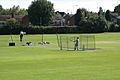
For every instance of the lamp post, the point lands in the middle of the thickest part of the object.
(118, 1)
(74, 8)
(41, 30)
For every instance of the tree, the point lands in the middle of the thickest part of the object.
(15, 10)
(108, 15)
(117, 9)
(92, 24)
(40, 12)
(11, 21)
(78, 17)
(114, 27)
(22, 12)
(1, 9)
(100, 13)
(84, 12)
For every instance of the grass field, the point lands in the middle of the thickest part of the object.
(47, 62)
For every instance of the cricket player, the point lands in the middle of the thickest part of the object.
(76, 43)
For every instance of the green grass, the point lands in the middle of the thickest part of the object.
(47, 62)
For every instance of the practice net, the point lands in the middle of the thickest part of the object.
(86, 42)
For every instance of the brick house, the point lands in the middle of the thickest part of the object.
(69, 19)
(22, 20)
(25, 21)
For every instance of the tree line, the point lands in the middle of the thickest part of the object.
(102, 22)
(15, 9)
(41, 13)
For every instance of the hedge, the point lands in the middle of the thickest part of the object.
(37, 30)
(5, 30)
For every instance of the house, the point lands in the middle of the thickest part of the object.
(22, 20)
(3, 19)
(58, 20)
(69, 19)
(118, 19)
(115, 17)
(25, 21)
(61, 13)
(62, 20)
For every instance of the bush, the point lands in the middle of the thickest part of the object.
(92, 25)
(114, 28)
(37, 30)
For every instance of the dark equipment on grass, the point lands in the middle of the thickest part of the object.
(28, 43)
(11, 43)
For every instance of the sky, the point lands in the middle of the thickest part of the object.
(68, 6)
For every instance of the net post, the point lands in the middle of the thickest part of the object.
(58, 40)
(87, 40)
(60, 43)
(80, 42)
(94, 43)
(67, 43)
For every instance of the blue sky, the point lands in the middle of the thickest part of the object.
(67, 5)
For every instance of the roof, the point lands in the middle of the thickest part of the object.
(118, 17)
(61, 13)
(58, 16)
(68, 15)
(114, 14)
(92, 14)
(5, 17)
